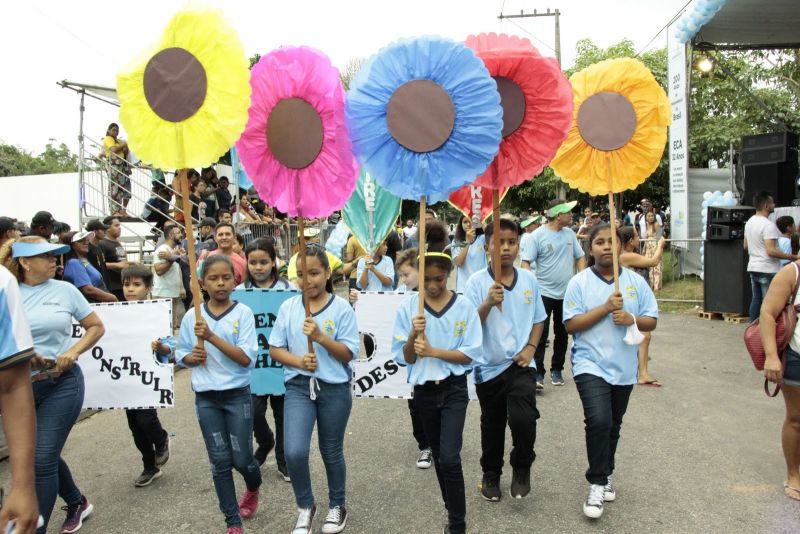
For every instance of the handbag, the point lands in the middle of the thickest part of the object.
(785, 324)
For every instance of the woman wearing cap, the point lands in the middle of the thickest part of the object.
(80, 272)
(119, 182)
(51, 306)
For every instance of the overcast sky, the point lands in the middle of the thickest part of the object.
(45, 41)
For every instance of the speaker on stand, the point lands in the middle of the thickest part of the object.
(726, 284)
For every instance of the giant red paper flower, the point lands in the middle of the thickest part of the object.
(537, 108)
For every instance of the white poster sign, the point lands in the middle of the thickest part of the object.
(120, 371)
(678, 144)
(376, 375)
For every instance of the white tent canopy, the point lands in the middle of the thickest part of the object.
(106, 94)
(752, 24)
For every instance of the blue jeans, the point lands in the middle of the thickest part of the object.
(443, 408)
(604, 405)
(760, 283)
(330, 410)
(58, 404)
(226, 420)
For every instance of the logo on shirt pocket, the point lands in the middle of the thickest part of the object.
(329, 327)
(236, 327)
(460, 328)
(528, 296)
(630, 292)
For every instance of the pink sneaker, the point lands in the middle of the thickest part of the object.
(248, 504)
(235, 530)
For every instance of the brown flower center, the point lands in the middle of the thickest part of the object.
(294, 133)
(607, 121)
(175, 84)
(420, 115)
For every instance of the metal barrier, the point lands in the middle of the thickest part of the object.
(285, 235)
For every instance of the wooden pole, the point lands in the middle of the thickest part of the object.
(194, 284)
(304, 281)
(498, 275)
(422, 245)
(614, 241)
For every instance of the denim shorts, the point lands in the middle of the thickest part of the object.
(791, 375)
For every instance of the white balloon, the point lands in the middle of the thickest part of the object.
(704, 212)
(727, 194)
(706, 195)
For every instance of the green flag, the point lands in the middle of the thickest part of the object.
(370, 213)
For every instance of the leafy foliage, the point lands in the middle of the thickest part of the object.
(15, 161)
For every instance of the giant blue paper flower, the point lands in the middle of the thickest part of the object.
(424, 117)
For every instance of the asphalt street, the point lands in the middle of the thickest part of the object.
(701, 454)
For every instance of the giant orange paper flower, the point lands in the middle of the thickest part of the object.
(619, 128)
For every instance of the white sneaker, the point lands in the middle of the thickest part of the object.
(305, 517)
(425, 458)
(609, 493)
(593, 507)
(335, 521)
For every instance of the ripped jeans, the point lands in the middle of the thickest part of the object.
(226, 420)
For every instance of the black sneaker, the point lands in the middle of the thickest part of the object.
(335, 521)
(539, 383)
(147, 476)
(490, 487)
(284, 472)
(162, 453)
(520, 483)
(263, 451)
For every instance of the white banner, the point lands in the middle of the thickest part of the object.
(678, 147)
(376, 375)
(121, 370)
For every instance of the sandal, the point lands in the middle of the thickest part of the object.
(791, 492)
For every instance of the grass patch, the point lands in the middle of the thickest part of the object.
(678, 287)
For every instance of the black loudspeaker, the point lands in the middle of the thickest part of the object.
(724, 232)
(730, 214)
(770, 140)
(726, 282)
(779, 179)
(775, 154)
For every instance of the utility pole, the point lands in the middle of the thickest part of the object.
(557, 17)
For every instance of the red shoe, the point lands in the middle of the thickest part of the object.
(248, 504)
(235, 530)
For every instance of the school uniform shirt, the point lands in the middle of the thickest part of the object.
(50, 308)
(506, 332)
(236, 326)
(600, 351)
(525, 247)
(474, 262)
(278, 283)
(336, 320)
(385, 266)
(785, 246)
(16, 342)
(456, 327)
(554, 254)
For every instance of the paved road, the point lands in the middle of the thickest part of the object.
(702, 454)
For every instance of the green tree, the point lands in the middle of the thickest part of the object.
(15, 161)
(350, 70)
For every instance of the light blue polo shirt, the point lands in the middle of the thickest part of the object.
(554, 254)
(600, 351)
(385, 266)
(236, 326)
(16, 343)
(474, 262)
(506, 332)
(51, 307)
(455, 327)
(278, 283)
(337, 320)
(526, 246)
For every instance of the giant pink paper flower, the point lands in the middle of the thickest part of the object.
(537, 108)
(296, 148)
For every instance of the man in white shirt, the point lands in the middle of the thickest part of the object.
(168, 282)
(409, 233)
(761, 242)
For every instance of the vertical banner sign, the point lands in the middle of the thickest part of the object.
(120, 371)
(678, 146)
(370, 213)
(474, 200)
(375, 373)
(267, 377)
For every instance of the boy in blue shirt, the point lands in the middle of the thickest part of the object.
(506, 384)
(148, 435)
(376, 273)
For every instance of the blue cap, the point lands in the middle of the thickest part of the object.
(26, 250)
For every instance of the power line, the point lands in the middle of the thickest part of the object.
(530, 34)
(673, 19)
(68, 31)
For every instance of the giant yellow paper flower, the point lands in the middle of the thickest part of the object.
(184, 102)
(619, 128)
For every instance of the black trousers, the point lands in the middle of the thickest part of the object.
(604, 405)
(554, 309)
(416, 426)
(509, 398)
(261, 430)
(148, 435)
(443, 408)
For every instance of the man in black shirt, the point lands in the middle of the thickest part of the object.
(95, 254)
(115, 255)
